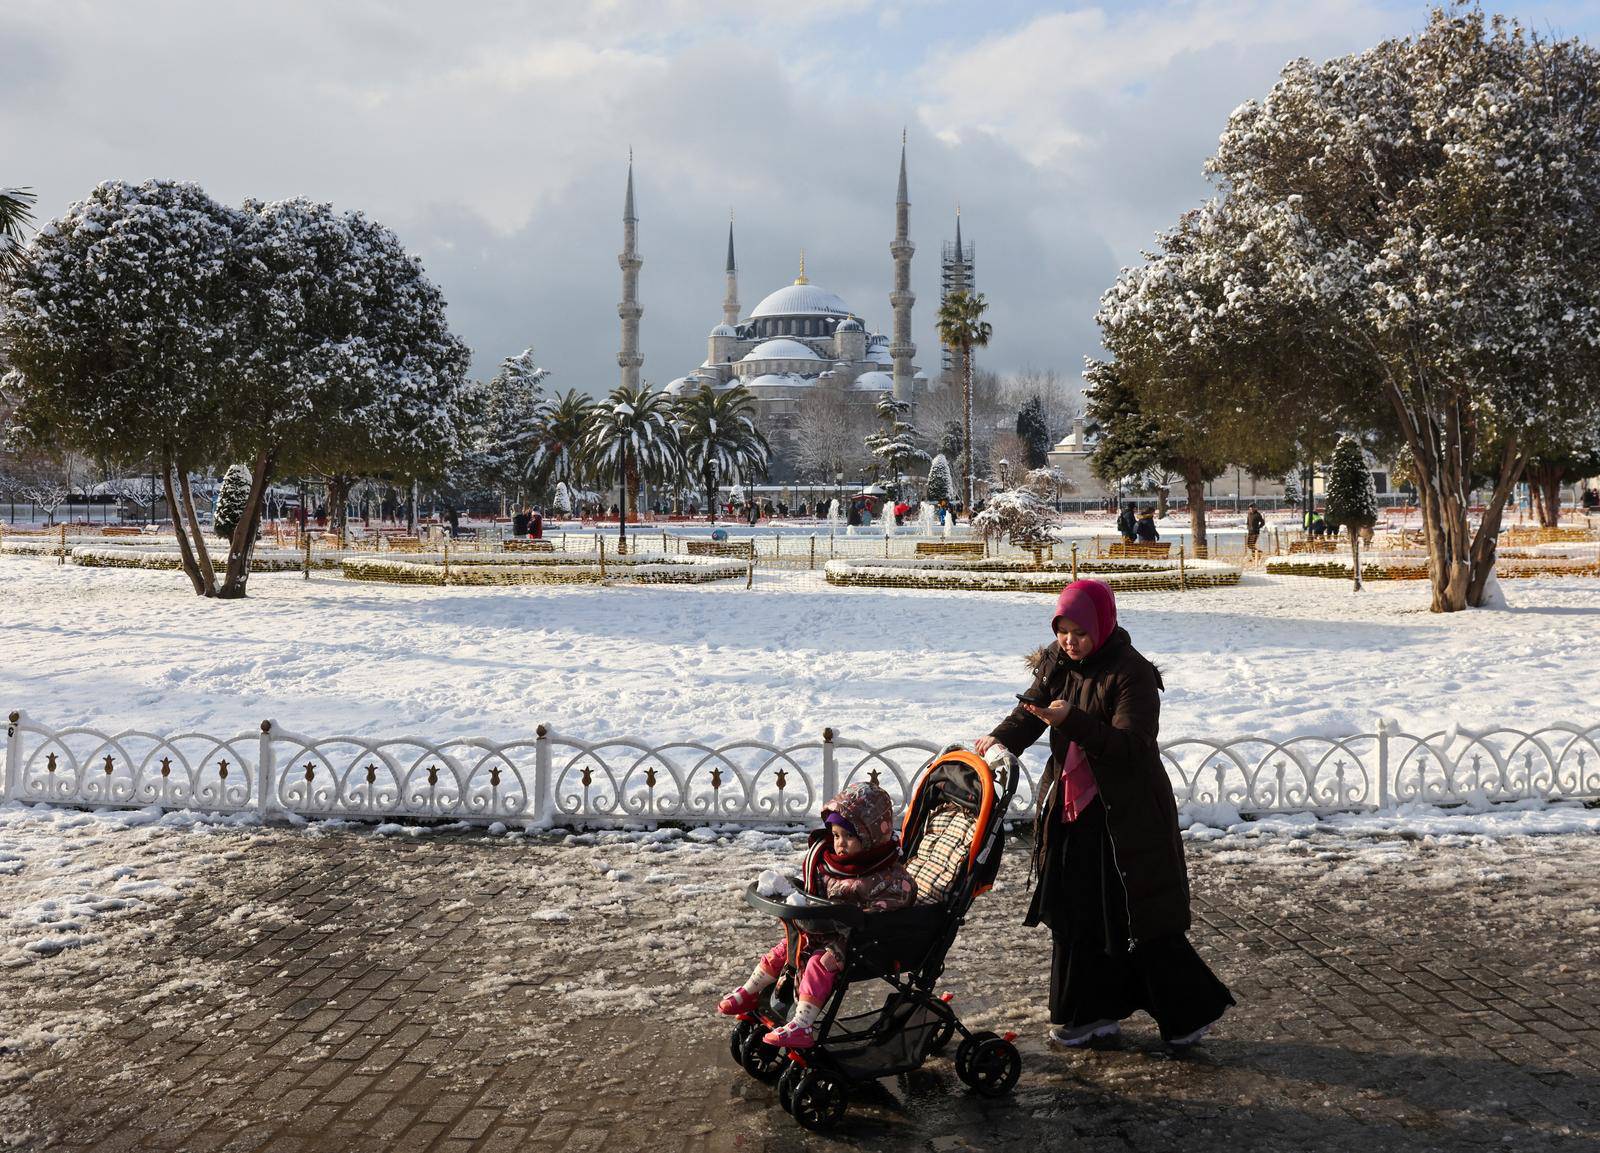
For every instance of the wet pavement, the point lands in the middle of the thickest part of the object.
(344, 992)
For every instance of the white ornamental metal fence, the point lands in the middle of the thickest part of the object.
(553, 778)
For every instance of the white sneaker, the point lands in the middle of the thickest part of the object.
(1077, 1036)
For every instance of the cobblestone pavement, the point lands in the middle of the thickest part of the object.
(348, 992)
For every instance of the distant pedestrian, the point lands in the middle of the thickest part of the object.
(1113, 886)
(1126, 523)
(1145, 530)
(536, 525)
(520, 523)
(1253, 524)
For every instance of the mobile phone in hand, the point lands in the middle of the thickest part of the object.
(1030, 699)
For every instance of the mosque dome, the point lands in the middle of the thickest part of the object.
(851, 324)
(801, 299)
(874, 382)
(723, 330)
(781, 349)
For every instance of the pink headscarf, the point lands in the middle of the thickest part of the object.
(1091, 606)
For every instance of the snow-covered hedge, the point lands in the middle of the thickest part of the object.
(262, 560)
(1414, 569)
(1014, 576)
(539, 568)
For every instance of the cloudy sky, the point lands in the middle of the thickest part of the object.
(493, 136)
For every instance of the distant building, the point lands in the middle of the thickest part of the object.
(797, 338)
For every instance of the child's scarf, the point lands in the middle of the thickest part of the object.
(862, 863)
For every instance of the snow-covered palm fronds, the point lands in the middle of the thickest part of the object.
(16, 214)
(719, 438)
(633, 434)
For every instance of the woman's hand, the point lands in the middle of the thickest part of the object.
(983, 744)
(1052, 714)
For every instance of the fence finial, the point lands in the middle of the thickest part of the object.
(266, 726)
(827, 734)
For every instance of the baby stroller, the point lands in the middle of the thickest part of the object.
(951, 838)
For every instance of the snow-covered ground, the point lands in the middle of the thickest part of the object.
(1274, 657)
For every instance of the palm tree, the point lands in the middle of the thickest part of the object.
(559, 427)
(632, 437)
(16, 213)
(962, 328)
(719, 437)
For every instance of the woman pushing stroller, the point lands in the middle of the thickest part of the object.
(860, 866)
(1112, 883)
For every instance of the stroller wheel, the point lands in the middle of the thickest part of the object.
(762, 1061)
(941, 1037)
(993, 1066)
(736, 1040)
(818, 1102)
(789, 1078)
(964, 1053)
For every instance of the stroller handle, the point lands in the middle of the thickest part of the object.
(850, 916)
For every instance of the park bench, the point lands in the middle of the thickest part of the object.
(398, 543)
(744, 549)
(524, 544)
(121, 530)
(1139, 550)
(949, 548)
(1313, 545)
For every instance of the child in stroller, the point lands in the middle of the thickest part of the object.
(952, 836)
(858, 864)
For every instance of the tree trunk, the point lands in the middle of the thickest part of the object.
(1443, 441)
(338, 499)
(1195, 485)
(191, 569)
(1161, 501)
(966, 420)
(202, 554)
(244, 533)
(1544, 481)
(709, 480)
(1355, 554)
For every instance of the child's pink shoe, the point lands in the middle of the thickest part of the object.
(792, 1036)
(737, 1003)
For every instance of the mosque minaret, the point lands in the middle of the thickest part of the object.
(902, 298)
(629, 310)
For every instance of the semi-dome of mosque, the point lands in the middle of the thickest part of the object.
(798, 299)
(781, 349)
(874, 382)
(850, 324)
(724, 330)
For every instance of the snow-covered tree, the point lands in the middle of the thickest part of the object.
(1017, 515)
(561, 503)
(633, 437)
(1428, 206)
(941, 485)
(898, 445)
(719, 438)
(152, 322)
(231, 496)
(561, 423)
(513, 419)
(125, 330)
(352, 367)
(1352, 499)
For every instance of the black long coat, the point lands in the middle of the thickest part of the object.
(1116, 711)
